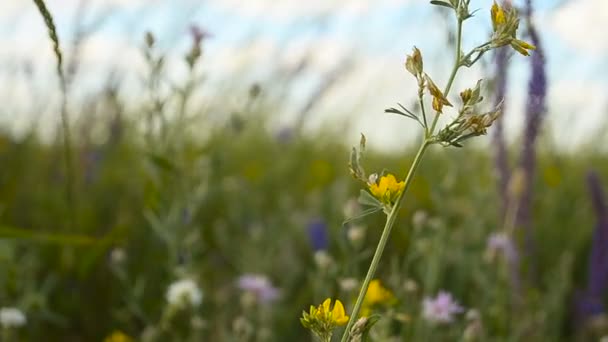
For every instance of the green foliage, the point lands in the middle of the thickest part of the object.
(164, 195)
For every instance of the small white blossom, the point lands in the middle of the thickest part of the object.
(441, 308)
(12, 318)
(323, 259)
(348, 284)
(356, 234)
(420, 218)
(183, 293)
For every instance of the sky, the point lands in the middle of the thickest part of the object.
(361, 44)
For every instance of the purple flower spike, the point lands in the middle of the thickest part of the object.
(535, 111)
(589, 302)
(598, 263)
(501, 158)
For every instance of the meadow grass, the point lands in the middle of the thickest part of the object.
(208, 225)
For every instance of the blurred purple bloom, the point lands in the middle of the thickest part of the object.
(285, 135)
(589, 302)
(535, 111)
(317, 231)
(93, 158)
(502, 243)
(260, 286)
(501, 159)
(440, 309)
(598, 263)
(198, 34)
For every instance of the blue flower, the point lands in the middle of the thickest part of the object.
(317, 232)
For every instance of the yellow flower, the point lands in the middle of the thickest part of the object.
(322, 320)
(498, 16)
(387, 190)
(118, 336)
(522, 47)
(376, 295)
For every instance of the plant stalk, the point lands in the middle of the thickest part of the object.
(390, 221)
(453, 74)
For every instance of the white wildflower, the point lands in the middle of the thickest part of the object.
(12, 317)
(183, 293)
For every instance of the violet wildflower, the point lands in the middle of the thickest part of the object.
(285, 135)
(589, 302)
(260, 286)
(501, 158)
(317, 232)
(440, 309)
(598, 263)
(198, 34)
(535, 111)
(501, 243)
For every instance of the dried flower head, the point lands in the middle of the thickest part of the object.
(414, 64)
(439, 100)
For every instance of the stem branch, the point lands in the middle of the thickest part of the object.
(454, 72)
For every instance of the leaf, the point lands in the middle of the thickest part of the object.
(365, 198)
(364, 213)
(162, 162)
(54, 238)
(441, 3)
(371, 321)
(407, 113)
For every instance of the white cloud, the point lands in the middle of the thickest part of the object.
(583, 24)
(286, 9)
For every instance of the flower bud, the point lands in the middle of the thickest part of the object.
(414, 63)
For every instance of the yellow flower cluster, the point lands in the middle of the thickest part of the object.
(505, 25)
(387, 189)
(118, 336)
(323, 319)
(376, 295)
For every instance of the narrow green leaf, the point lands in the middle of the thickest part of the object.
(407, 115)
(162, 162)
(34, 236)
(364, 213)
(407, 110)
(365, 198)
(441, 3)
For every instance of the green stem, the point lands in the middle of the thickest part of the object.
(390, 221)
(426, 125)
(65, 125)
(453, 74)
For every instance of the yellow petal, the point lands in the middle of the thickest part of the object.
(338, 314)
(326, 305)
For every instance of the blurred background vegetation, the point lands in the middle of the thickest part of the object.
(187, 177)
